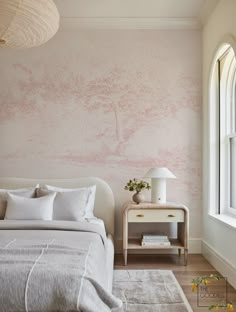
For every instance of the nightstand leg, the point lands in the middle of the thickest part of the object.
(185, 256)
(125, 256)
(179, 251)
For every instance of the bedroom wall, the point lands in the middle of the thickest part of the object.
(217, 238)
(110, 104)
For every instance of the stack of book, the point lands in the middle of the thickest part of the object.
(152, 239)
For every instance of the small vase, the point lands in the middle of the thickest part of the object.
(138, 197)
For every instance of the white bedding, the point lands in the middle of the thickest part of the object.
(109, 252)
(78, 235)
(104, 202)
(66, 232)
(97, 221)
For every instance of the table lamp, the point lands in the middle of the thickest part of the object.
(159, 176)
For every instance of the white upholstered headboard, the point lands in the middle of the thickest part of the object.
(104, 202)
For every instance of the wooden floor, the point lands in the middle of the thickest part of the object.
(197, 266)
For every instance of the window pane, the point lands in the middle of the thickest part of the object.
(234, 106)
(233, 172)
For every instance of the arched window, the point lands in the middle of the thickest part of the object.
(223, 132)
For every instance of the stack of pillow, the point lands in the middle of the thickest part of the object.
(47, 203)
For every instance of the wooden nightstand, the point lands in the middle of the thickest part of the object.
(156, 213)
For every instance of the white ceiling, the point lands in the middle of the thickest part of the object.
(194, 12)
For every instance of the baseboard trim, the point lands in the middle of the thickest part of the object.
(195, 247)
(219, 262)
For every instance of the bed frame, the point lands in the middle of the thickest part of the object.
(104, 202)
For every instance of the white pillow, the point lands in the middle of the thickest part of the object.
(62, 212)
(70, 206)
(26, 192)
(91, 201)
(22, 208)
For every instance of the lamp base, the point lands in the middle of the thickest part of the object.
(158, 191)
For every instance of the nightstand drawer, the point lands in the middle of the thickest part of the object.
(155, 215)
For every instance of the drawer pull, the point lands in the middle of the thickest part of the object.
(171, 216)
(140, 215)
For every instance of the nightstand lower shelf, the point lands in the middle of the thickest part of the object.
(136, 244)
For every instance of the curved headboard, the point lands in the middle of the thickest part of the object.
(104, 202)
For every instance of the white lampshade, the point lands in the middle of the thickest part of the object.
(159, 176)
(160, 173)
(27, 23)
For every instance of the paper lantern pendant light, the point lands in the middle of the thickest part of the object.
(27, 23)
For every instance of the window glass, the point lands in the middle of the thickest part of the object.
(233, 173)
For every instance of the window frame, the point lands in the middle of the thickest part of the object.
(218, 205)
(226, 84)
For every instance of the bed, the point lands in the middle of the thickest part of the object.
(59, 265)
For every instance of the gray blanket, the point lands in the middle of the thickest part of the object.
(54, 266)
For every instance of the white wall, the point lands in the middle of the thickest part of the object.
(218, 238)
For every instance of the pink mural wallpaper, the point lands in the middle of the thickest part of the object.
(106, 103)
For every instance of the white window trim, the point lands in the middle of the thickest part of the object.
(226, 219)
(213, 147)
(226, 132)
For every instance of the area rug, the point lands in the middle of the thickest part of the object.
(149, 291)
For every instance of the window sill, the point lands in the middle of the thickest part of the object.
(226, 219)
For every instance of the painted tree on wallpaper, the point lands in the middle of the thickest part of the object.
(111, 104)
(131, 101)
(128, 98)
